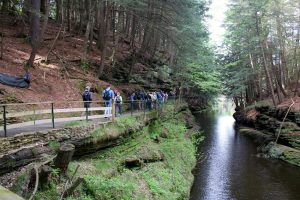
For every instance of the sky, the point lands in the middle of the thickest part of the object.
(217, 11)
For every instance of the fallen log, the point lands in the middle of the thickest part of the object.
(72, 188)
(22, 157)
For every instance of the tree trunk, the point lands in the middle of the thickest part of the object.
(34, 31)
(64, 156)
(87, 32)
(5, 5)
(55, 40)
(105, 28)
(268, 77)
(68, 15)
(59, 8)
(295, 54)
(265, 65)
(45, 18)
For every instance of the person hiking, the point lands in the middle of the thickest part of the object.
(107, 96)
(149, 101)
(140, 98)
(87, 98)
(132, 96)
(159, 99)
(118, 101)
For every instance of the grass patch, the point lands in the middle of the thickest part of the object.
(106, 176)
(78, 123)
(169, 179)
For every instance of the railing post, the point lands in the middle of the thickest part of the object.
(113, 110)
(131, 107)
(52, 113)
(86, 113)
(4, 121)
(34, 114)
(144, 102)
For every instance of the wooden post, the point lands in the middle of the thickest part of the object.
(131, 107)
(64, 156)
(52, 114)
(144, 102)
(4, 120)
(113, 110)
(34, 115)
(86, 113)
(71, 189)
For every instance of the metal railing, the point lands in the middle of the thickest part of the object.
(20, 115)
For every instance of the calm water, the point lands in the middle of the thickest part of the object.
(231, 169)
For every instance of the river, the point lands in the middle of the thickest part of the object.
(232, 170)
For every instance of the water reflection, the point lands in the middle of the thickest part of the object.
(232, 170)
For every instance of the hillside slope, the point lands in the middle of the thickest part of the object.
(63, 78)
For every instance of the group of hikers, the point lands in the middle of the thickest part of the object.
(145, 100)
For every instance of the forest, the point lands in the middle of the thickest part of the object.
(131, 99)
(124, 37)
(262, 51)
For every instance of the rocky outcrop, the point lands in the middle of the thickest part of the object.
(265, 122)
(25, 148)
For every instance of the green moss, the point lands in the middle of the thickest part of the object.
(169, 179)
(34, 151)
(54, 145)
(50, 194)
(78, 123)
(167, 176)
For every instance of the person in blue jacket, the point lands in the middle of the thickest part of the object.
(107, 96)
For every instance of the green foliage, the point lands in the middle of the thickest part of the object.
(106, 177)
(114, 188)
(85, 66)
(164, 180)
(78, 123)
(54, 145)
(197, 138)
(50, 194)
(20, 181)
(34, 151)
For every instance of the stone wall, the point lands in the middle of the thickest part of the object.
(264, 122)
(23, 140)
(26, 148)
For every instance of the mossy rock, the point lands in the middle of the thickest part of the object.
(254, 133)
(284, 153)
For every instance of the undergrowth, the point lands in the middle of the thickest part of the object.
(106, 176)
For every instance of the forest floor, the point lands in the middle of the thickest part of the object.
(63, 78)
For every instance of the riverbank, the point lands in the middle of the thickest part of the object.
(264, 123)
(152, 163)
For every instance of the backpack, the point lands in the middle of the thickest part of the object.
(86, 96)
(158, 96)
(139, 96)
(106, 95)
(118, 99)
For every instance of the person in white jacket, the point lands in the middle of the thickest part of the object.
(118, 102)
